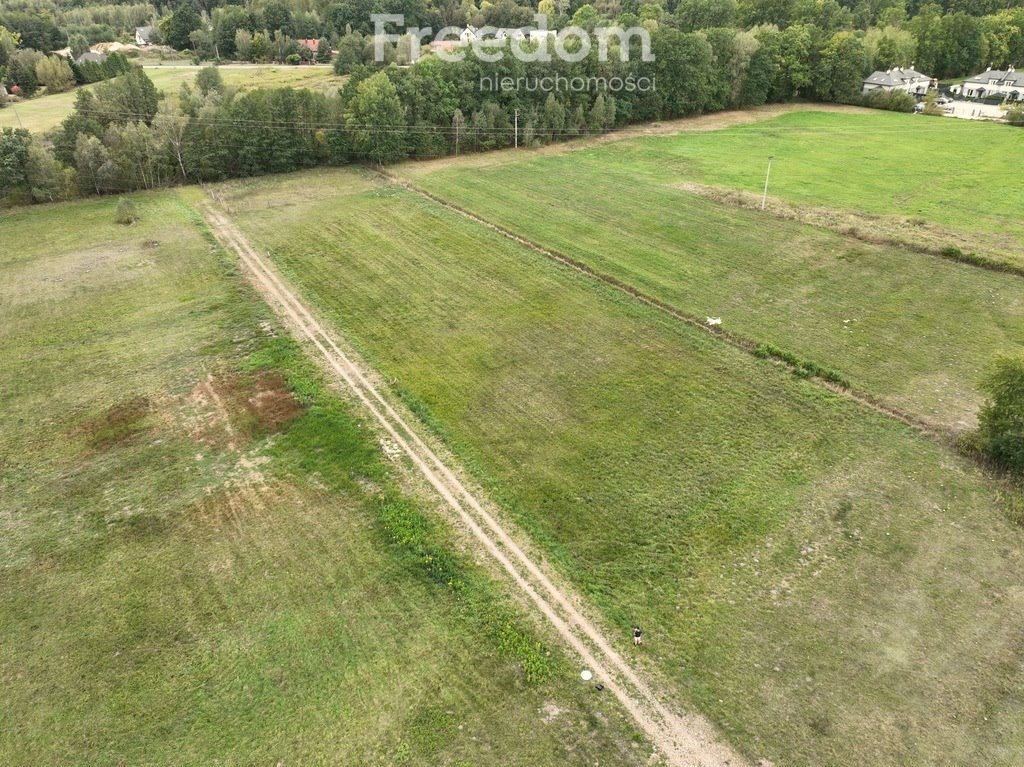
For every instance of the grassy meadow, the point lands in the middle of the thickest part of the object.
(46, 112)
(204, 556)
(912, 328)
(828, 586)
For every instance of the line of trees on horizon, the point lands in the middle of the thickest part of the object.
(122, 135)
(946, 39)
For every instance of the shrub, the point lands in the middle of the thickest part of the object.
(894, 101)
(1015, 115)
(55, 73)
(209, 79)
(127, 212)
(1002, 416)
(801, 368)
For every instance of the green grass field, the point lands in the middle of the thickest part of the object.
(204, 559)
(828, 586)
(46, 112)
(912, 328)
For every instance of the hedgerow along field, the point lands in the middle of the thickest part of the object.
(204, 557)
(46, 112)
(827, 585)
(912, 328)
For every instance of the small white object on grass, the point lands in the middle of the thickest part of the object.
(585, 675)
(714, 320)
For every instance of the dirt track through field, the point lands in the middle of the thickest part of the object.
(685, 740)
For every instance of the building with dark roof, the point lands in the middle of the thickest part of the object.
(1008, 83)
(908, 80)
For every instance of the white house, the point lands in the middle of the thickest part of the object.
(471, 33)
(1007, 83)
(511, 33)
(908, 80)
(144, 35)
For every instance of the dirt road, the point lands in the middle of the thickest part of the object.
(684, 740)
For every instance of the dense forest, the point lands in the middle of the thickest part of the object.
(946, 39)
(709, 55)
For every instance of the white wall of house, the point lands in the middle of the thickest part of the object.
(1009, 85)
(916, 87)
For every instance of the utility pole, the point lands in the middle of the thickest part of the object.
(517, 129)
(767, 173)
(20, 123)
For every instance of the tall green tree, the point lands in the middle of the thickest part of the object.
(962, 45)
(692, 15)
(96, 174)
(227, 23)
(277, 16)
(928, 28)
(130, 97)
(48, 180)
(375, 120)
(350, 53)
(21, 71)
(889, 47)
(796, 59)
(14, 152)
(176, 29)
(841, 68)
(9, 42)
(684, 66)
(209, 79)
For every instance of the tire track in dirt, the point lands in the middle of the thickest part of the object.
(684, 740)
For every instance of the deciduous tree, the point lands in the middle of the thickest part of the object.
(376, 118)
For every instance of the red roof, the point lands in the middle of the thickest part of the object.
(311, 44)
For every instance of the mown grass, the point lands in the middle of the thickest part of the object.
(830, 587)
(914, 329)
(46, 112)
(952, 172)
(198, 552)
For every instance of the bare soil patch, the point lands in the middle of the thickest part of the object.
(233, 408)
(117, 425)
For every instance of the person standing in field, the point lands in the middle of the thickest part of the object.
(636, 636)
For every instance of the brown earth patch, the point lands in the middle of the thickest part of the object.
(117, 425)
(272, 403)
(235, 408)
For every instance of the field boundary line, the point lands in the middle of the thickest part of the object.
(786, 210)
(735, 340)
(684, 740)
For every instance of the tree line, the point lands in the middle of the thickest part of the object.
(948, 38)
(122, 135)
(23, 71)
